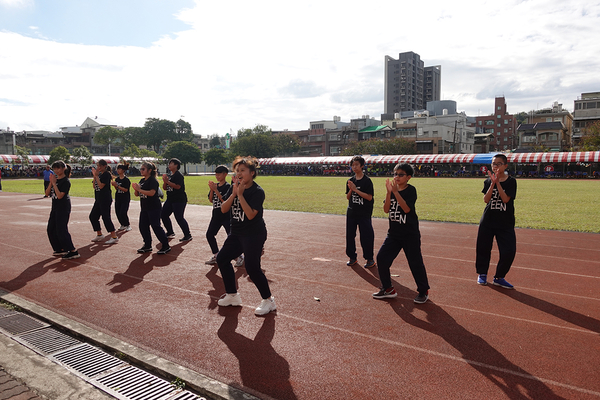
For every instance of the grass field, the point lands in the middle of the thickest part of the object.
(559, 204)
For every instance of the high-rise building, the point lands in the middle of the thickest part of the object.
(408, 84)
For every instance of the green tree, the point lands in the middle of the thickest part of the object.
(22, 154)
(258, 129)
(590, 141)
(215, 141)
(131, 152)
(59, 153)
(257, 145)
(216, 157)
(186, 152)
(286, 144)
(377, 146)
(108, 135)
(82, 156)
(183, 131)
(133, 135)
(158, 132)
(521, 117)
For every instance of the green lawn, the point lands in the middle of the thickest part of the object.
(561, 204)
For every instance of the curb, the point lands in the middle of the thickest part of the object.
(166, 369)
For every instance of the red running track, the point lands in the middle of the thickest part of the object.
(540, 341)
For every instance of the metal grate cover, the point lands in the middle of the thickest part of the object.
(20, 323)
(47, 341)
(133, 383)
(87, 360)
(6, 312)
(186, 396)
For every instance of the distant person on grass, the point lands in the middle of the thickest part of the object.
(248, 235)
(359, 192)
(101, 179)
(147, 191)
(47, 173)
(217, 195)
(122, 184)
(403, 233)
(498, 220)
(174, 185)
(58, 222)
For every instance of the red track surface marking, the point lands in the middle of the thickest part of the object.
(540, 341)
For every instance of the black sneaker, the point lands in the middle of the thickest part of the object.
(59, 253)
(145, 249)
(421, 298)
(352, 262)
(370, 264)
(385, 293)
(164, 250)
(71, 255)
(186, 238)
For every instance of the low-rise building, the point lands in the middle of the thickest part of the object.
(585, 112)
(546, 129)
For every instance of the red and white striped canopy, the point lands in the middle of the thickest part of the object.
(555, 157)
(389, 159)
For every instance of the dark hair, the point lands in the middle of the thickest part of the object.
(221, 168)
(151, 167)
(102, 162)
(501, 156)
(176, 162)
(406, 168)
(124, 166)
(359, 159)
(61, 164)
(248, 161)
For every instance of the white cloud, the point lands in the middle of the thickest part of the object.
(16, 3)
(244, 63)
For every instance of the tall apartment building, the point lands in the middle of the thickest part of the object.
(502, 125)
(409, 85)
(585, 112)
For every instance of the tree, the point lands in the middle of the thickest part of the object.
(257, 145)
(215, 141)
(82, 156)
(216, 157)
(521, 117)
(108, 135)
(59, 153)
(133, 135)
(286, 144)
(183, 131)
(186, 152)
(22, 154)
(378, 146)
(158, 132)
(132, 151)
(590, 141)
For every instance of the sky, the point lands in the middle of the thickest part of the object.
(225, 66)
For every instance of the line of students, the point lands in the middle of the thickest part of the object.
(498, 221)
(238, 208)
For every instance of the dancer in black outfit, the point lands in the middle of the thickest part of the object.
(58, 229)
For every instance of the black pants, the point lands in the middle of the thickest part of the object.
(213, 228)
(58, 231)
(251, 246)
(367, 236)
(101, 209)
(151, 218)
(121, 209)
(412, 250)
(507, 247)
(178, 209)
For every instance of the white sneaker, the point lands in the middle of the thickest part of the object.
(127, 228)
(98, 238)
(266, 306)
(212, 261)
(239, 261)
(121, 228)
(112, 240)
(171, 236)
(229, 299)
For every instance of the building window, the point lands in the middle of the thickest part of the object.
(498, 116)
(558, 119)
(505, 121)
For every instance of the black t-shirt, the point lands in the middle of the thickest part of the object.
(104, 194)
(359, 206)
(240, 225)
(126, 184)
(223, 190)
(146, 202)
(64, 186)
(401, 223)
(176, 195)
(496, 212)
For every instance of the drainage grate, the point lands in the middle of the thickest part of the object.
(47, 341)
(20, 323)
(186, 396)
(87, 360)
(4, 312)
(133, 383)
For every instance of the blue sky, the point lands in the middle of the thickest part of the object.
(231, 65)
(98, 22)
